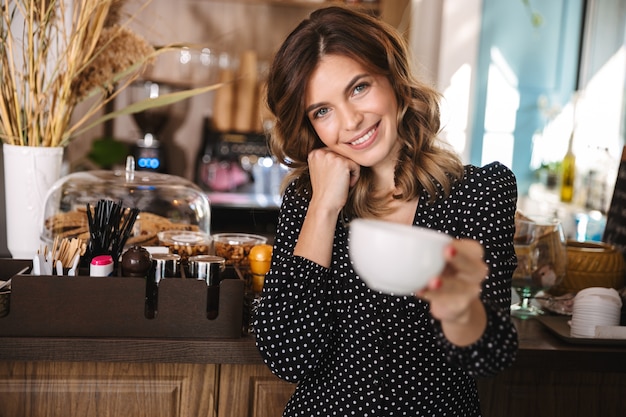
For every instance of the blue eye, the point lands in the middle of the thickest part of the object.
(320, 112)
(360, 88)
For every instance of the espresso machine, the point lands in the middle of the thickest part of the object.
(174, 70)
(149, 149)
(226, 160)
(235, 152)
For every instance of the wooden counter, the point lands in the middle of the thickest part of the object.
(226, 377)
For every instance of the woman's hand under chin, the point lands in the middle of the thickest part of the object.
(332, 175)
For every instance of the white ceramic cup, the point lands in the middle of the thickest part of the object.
(395, 258)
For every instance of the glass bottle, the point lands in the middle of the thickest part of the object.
(568, 172)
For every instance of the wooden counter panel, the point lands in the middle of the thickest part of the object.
(542, 392)
(552, 378)
(549, 377)
(247, 390)
(63, 389)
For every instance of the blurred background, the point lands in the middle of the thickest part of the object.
(520, 79)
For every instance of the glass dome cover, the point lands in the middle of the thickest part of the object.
(166, 202)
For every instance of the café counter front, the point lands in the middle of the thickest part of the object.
(52, 376)
(94, 357)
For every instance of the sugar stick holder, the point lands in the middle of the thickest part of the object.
(82, 306)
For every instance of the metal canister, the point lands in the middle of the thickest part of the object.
(208, 268)
(164, 265)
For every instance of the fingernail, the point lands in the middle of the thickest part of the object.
(436, 284)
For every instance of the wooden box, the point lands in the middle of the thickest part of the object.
(62, 306)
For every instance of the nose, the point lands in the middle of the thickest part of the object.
(351, 117)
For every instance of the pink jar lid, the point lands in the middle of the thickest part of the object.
(102, 260)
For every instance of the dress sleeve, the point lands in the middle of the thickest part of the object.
(487, 213)
(293, 320)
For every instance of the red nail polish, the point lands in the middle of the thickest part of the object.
(436, 284)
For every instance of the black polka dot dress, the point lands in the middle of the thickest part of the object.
(357, 352)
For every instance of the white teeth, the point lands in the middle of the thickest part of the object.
(363, 138)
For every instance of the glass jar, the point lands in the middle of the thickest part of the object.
(186, 243)
(235, 247)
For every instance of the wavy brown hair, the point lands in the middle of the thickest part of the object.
(424, 165)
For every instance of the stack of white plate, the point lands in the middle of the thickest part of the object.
(594, 306)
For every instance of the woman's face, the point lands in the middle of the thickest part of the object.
(353, 111)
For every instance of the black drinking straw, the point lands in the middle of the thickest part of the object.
(124, 232)
(110, 227)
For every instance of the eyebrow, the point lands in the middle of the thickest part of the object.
(346, 90)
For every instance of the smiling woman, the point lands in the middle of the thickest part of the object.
(361, 135)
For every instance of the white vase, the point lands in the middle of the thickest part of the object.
(29, 172)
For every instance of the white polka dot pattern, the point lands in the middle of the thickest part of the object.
(356, 352)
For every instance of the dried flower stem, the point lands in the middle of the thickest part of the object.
(59, 45)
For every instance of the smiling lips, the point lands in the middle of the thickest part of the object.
(365, 138)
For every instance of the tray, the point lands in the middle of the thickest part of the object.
(82, 306)
(558, 325)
